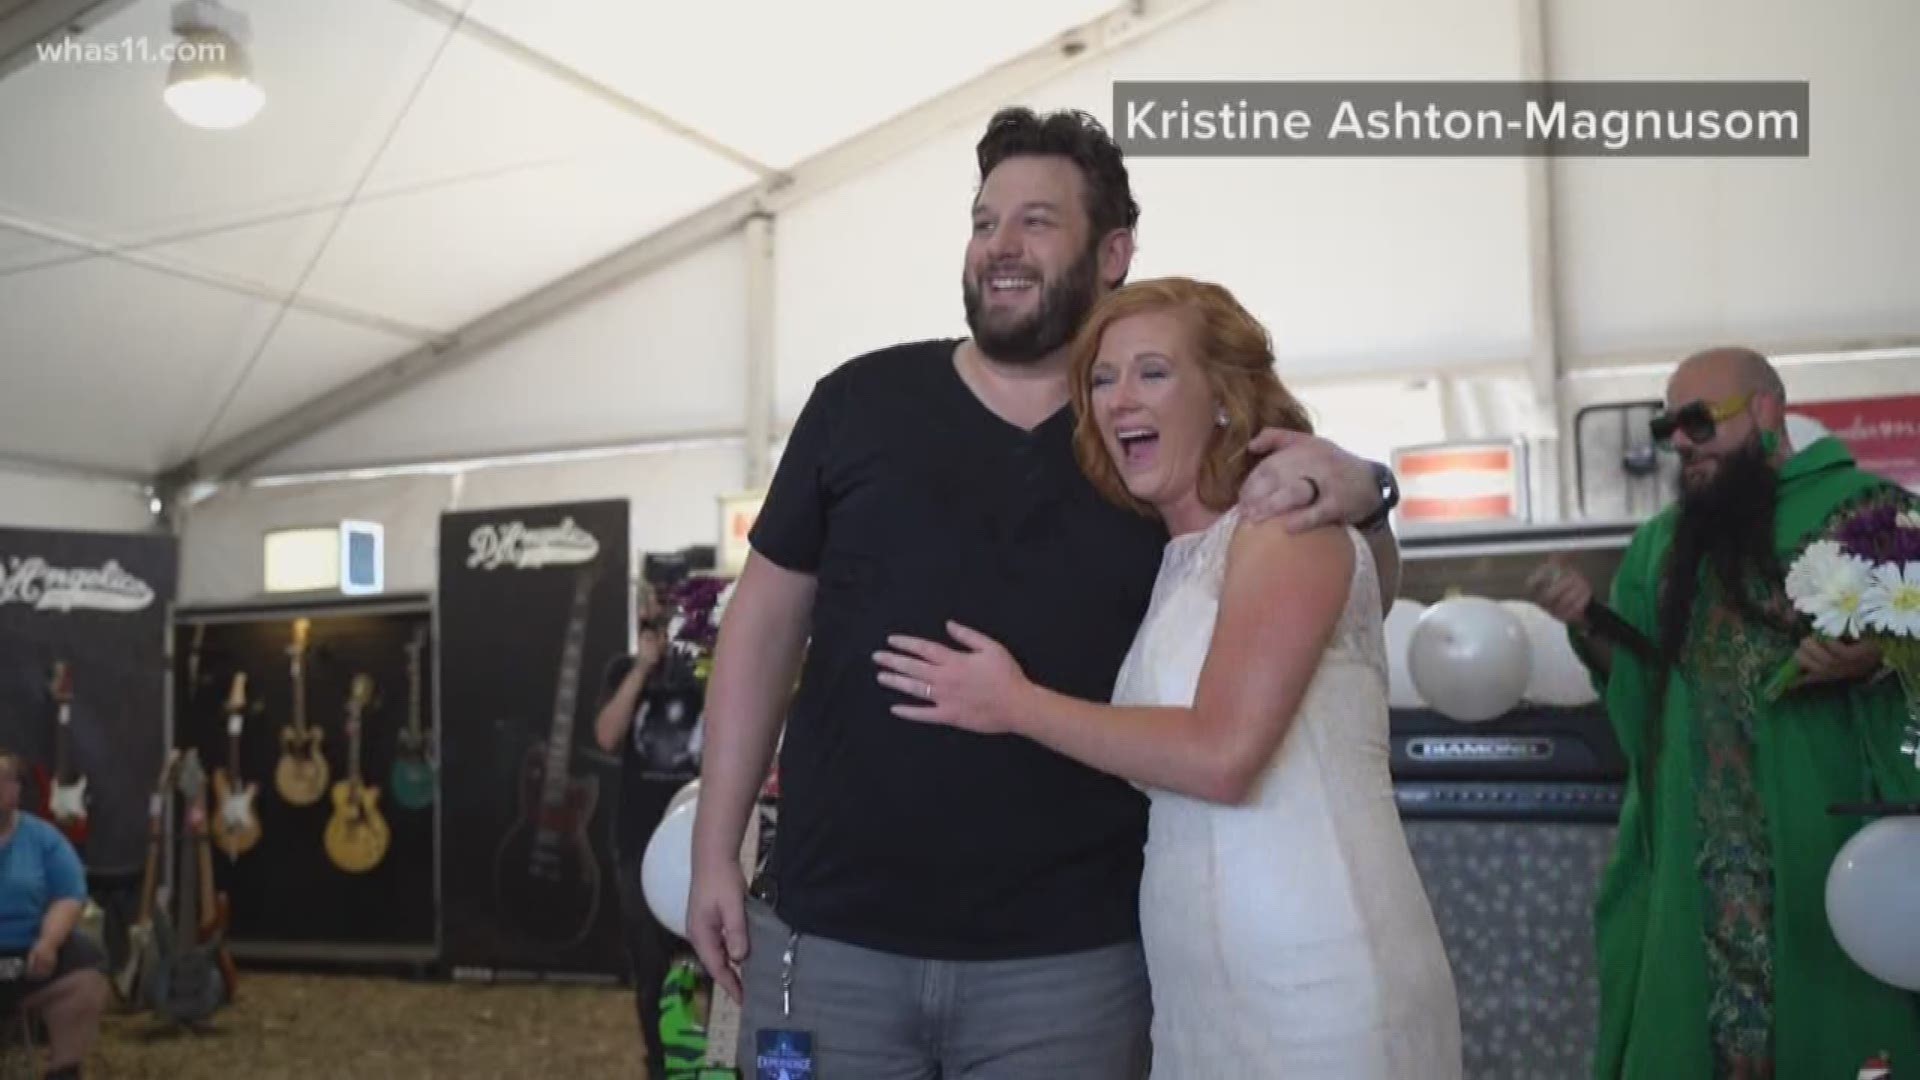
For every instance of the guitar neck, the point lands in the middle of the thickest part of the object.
(233, 749)
(353, 750)
(61, 768)
(203, 851)
(155, 839)
(413, 692)
(560, 738)
(187, 882)
(299, 696)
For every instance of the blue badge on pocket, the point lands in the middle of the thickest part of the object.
(784, 1055)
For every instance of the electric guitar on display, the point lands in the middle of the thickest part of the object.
(190, 974)
(193, 662)
(413, 764)
(546, 879)
(67, 797)
(235, 825)
(357, 836)
(129, 980)
(302, 774)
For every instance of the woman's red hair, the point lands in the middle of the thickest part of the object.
(1235, 354)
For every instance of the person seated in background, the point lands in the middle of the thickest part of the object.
(45, 967)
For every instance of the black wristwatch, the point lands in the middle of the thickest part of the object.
(1389, 498)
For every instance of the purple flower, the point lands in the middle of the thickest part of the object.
(1874, 534)
(695, 598)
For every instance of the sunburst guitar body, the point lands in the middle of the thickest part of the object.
(301, 776)
(357, 835)
(236, 828)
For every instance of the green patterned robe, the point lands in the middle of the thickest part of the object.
(1716, 960)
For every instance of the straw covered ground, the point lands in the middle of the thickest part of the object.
(295, 1026)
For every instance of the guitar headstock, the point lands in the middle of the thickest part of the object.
(189, 777)
(157, 800)
(237, 694)
(359, 697)
(169, 768)
(61, 685)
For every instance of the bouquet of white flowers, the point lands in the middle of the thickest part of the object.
(1863, 583)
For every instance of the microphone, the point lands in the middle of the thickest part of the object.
(1607, 623)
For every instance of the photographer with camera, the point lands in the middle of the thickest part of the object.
(650, 718)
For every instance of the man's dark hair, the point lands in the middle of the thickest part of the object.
(1074, 135)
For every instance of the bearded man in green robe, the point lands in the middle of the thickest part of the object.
(1716, 960)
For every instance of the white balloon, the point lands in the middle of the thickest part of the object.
(666, 870)
(690, 790)
(1873, 900)
(1470, 658)
(1557, 676)
(1399, 632)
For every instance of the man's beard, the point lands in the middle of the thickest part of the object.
(1725, 525)
(1064, 305)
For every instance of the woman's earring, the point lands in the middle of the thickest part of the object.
(1220, 416)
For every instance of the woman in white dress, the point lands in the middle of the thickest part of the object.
(1286, 931)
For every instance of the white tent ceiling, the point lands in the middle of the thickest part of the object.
(419, 165)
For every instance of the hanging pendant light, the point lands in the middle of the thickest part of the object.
(210, 83)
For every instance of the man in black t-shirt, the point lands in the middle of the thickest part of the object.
(652, 715)
(939, 902)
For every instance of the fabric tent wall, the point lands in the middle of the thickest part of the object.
(666, 353)
(1368, 273)
(1665, 255)
(1358, 267)
(673, 496)
(1364, 268)
(35, 501)
(222, 558)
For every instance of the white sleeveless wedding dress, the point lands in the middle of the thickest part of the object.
(1289, 936)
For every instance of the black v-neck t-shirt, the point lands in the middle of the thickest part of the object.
(912, 503)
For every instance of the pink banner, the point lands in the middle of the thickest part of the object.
(1883, 433)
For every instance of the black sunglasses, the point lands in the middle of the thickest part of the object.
(1699, 420)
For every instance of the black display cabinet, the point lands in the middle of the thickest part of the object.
(335, 873)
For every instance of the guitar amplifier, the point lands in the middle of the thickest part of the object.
(1536, 743)
(1511, 824)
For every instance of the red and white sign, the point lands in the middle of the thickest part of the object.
(737, 515)
(1883, 433)
(1455, 483)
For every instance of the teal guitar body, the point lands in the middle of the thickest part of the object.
(412, 783)
(413, 772)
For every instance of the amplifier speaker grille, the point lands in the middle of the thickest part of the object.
(1514, 901)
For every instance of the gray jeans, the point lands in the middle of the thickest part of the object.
(877, 1016)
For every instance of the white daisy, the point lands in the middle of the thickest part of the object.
(1809, 573)
(1831, 586)
(1892, 604)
